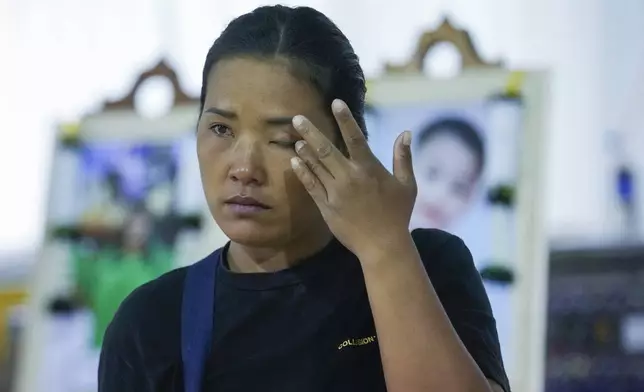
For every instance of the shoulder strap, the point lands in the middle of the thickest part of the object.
(197, 318)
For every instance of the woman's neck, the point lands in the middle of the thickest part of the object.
(247, 259)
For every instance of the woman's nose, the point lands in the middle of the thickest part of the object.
(247, 165)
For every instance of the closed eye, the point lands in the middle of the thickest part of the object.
(284, 143)
(220, 130)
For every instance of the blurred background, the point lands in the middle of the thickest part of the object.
(100, 189)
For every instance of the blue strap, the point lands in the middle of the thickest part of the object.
(197, 318)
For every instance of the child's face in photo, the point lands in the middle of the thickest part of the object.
(446, 171)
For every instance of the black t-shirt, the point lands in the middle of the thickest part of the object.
(306, 328)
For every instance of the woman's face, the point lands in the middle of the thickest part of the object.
(244, 144)
(447, 172)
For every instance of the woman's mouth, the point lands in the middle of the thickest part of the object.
(245, 205)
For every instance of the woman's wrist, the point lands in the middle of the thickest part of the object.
(396, 246)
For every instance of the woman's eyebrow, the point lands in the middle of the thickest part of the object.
(221, 112)
(278, 120)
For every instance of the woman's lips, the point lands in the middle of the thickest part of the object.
(245, 205)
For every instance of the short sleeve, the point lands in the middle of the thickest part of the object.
(460, 289)
(120, 368)
(140, 351)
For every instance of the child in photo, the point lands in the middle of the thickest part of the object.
(448, 162)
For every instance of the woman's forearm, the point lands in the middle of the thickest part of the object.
(419, 348)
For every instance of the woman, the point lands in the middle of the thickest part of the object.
(321, 287)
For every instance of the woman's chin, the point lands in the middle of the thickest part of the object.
(250, 233)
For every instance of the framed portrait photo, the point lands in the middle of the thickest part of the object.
(126, 205)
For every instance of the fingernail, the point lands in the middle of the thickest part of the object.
(338, 105)
(407, 138)
(299, 145)
(298, 121)
(295, 162)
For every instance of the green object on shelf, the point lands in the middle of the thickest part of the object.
(497, 273)
(65, 232)
(191, 221)
(502, 195)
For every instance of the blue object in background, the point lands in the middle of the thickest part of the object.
(138, 167)
(625, 186)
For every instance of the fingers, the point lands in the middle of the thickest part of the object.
(403, 166)
(353, 136)
(320, 146)
(313, 162)
(311, 182)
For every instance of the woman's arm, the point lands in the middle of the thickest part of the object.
(420, 348)
(116, 374)
(119, 370)
(368, 209)
(140, 339)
